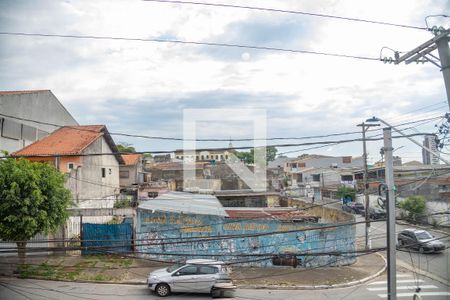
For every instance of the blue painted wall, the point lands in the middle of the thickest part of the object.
(106, 237)
(159, 232)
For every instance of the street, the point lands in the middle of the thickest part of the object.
(434, 263)
(12, 288)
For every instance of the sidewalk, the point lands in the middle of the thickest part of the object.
(134, 271)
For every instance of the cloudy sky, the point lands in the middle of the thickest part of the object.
(143, 87)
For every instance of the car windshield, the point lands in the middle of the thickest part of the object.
(173, 268)
(423, 235)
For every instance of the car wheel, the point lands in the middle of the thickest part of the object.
(162, 290)
(400, 243)
(421, 250)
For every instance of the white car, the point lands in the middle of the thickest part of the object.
(195, 276)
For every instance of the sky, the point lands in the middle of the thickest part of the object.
(143, 88)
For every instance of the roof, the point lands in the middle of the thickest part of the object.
(21, 92)
(287, 214)
(131, 159)
(69, 140)
(245, 192)
(189, 203)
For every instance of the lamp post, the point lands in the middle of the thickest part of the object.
(389, 177)
(365, 127)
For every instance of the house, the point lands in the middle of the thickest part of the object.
(27, 116)
(205, 155)
(85, 155)
(132, 172)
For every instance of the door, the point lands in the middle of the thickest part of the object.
(185, 279)
(206, 278)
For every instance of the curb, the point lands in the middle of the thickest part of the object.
(323, 286)
(293, 287)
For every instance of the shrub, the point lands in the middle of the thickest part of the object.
(414, 207)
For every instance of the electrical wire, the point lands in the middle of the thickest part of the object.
(183, 42)
(222, 5)
(216, 140)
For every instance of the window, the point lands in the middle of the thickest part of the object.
(301, 165)
(217, 156)
(152, 194)
(347, 160)
(203, 157)
(124, 174)
(208, 270)
(189, 270)
(109, 171)
(29, 133)
(196, 157)
(315, 177)
(103, 172)
(226, 156)
(70, 166)
(346, 178)
(11, 129)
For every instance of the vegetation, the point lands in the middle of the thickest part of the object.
(125, 147)
(414, 207)
(346, 192)
(248, 157)
(123, 203)
(33, 200)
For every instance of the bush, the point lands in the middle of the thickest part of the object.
(122, 203)
(346, 192)
(414, 207)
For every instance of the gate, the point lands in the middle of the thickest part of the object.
(106, 238)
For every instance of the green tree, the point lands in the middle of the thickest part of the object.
(346, 192)
(125, 147)
(414, 206)
(33, 200)
(248, 157)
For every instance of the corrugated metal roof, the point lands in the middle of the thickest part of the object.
(188, 203)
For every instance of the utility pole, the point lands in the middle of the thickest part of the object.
(364, 127)
(391, 255)
(423, 54)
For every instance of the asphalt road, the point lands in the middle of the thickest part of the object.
(437, 264)
(23, 289)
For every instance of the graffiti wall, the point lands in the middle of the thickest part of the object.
(174, 237)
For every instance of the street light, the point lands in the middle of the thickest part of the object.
(375, 119)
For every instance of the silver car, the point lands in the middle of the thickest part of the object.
(195, 276)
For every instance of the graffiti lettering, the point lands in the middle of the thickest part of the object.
(197, 229)
(155, 220)
(232, 226)
(253, 226)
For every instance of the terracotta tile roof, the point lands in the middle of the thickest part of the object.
(21, 92)
(131, 159)
(66, 140)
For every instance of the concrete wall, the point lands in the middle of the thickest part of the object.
(132, 175)
(156, 229)
(41, 106)
(86, 182)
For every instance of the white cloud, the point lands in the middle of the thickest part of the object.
(332, 94)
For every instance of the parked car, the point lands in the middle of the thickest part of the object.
(375, 213)
(420, 240)
(353, 208)
(195, 276)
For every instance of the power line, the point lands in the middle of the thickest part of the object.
(212, 140)
(289, 12)
(182, 42)
(219, 149)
